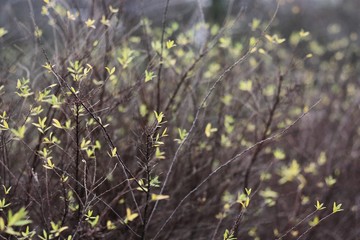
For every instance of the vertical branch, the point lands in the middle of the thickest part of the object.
(107, 51)
(161, 56)
(77, 159)
(265, 132)
(47, 193)
(35, 158)
(148, 179)
(66, 203)
(236, 225)
(146, 37)
(4, 164)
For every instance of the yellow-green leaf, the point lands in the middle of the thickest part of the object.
(289, 173)
(209, 130)
(330, 180)
(113, 152)
(337, 207)
(110, 71)
(156, 197)
(245, 85)
(130, 216)
(3, 31)
(314, 222)
(319, 206)
(279, 154)
(57, 124)
(149, 76)
(90, 23)
(170, 44)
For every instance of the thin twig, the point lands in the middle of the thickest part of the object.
(307, 230)
(161, 56)
(265, 133)
(295, 226)
(219, 79)
(125, 169)
(228, 162)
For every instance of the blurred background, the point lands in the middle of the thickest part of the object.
(326, 143)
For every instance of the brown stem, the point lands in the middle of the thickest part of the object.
(265, 133)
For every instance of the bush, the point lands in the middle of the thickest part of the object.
(119, 127)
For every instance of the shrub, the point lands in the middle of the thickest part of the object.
(164, 131)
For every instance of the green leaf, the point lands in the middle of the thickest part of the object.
(110, 225)
(245, 85)
(319, 206)
(97, 145)
(209, 130)
(113, 10)
(268, 193)
(23, 88)
(157, 197)
(322, 158)
(130, 216)
(4, 125)
(227, 99)
(303, 34)
(314, 222)
(90, 23)
(255, 24)
(159, 154)
(252, 42)
(127, 56)
(49, 164)
(154, 182)
(330, 180)
(18, 219)
(228, 235)
(269, 196)
(2, 224)
(243, 199)
(275, 39)
(143, 110)
(225, 42)
(279, 154)
(3, 32)
(85, 144)
(45, 236)
(262, 51)
(11, 231)
(337, 207)
(149, 76)
(6, 190)
(113, 152)
(20, 132)
(94, 220)
(170, 44)
(110, 71)
(289, 173)
(159, 116)
(57, 124)
(3, 204)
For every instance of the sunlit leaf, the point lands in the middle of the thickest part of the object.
(157, 197)
(170, 44)
(209, 130)
(337, 207)
(3, 32)
(90, 23)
